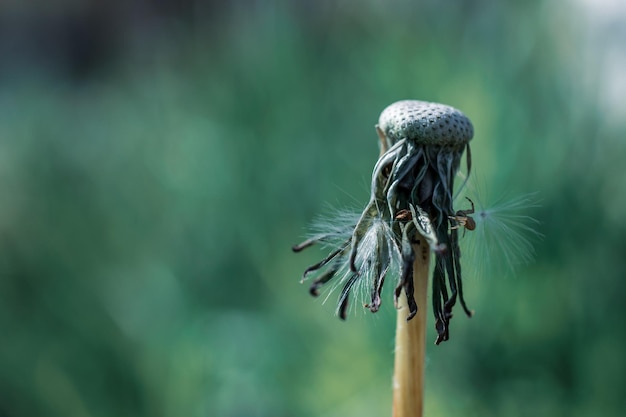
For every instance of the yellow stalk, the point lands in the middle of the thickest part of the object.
(408, 375)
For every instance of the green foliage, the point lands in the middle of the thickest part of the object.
(148, 212)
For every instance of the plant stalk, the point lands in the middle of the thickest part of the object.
(408, 374)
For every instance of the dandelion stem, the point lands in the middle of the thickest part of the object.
(408, 375)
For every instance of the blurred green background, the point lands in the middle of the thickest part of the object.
(159, 158)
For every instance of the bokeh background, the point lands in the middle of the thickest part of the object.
(159, 158)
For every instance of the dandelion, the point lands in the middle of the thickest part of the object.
(410, 205)
(410, 215)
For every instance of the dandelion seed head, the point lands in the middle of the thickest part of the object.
(411, 198)
(428, 123)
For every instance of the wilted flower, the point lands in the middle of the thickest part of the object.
(411, 204)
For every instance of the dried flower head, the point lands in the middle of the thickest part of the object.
(411, 202)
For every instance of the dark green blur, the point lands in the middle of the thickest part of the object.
(157, 162)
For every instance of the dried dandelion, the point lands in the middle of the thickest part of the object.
(410, 214)
(411, 203)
